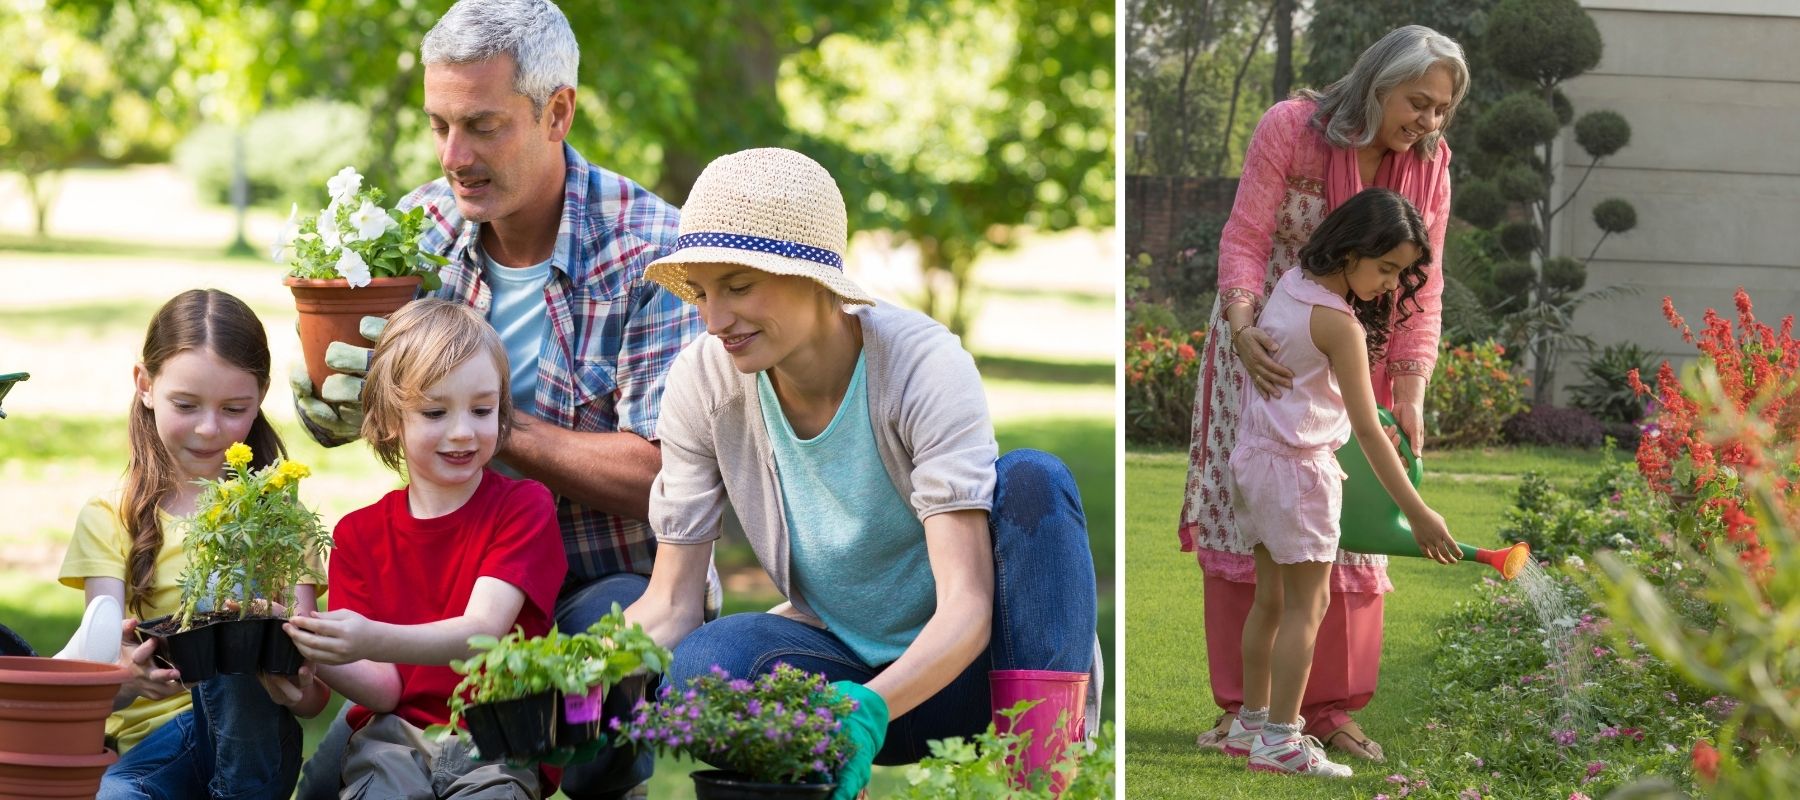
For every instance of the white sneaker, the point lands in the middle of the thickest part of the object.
(1240, 740)
(1295, 755)
(98, 637)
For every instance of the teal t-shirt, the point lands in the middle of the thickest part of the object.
(856, 551)
(518, 312)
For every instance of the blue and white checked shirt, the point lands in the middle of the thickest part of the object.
(612, 336)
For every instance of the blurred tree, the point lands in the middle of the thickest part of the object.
(1189, 66)
(65, 104)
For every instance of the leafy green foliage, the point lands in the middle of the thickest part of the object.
(1520, 121)
(515, 666)
(977, 768)
(1480, 202)
(1611, 509)
(1608, 393)
(1470, 396)
(1543, 41)
(1162, 370)
(1614, 215)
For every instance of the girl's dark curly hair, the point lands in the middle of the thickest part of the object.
(1370, 225)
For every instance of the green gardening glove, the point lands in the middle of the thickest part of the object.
(867, 728)
(334, 414)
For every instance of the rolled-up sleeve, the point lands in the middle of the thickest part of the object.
(687, 499)
(944, 423)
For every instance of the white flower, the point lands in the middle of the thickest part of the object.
(352, 267)
(1576, 562)
(281, 237)
(328, 231)
(343, 185)
(371, 221)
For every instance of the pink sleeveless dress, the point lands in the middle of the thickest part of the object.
(1290, 488)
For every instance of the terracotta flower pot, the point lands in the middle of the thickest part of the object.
(35, 775)
(56, 707)
(330, 311)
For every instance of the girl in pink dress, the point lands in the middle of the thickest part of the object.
(1381, 125)
(1360, 271)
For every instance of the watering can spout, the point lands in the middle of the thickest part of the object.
(1373, 523)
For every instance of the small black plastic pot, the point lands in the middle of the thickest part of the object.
(716, 784)
(578, 717)
(526, 724)
(484, 727)
(192, 651)
(239, 645)
(279, 655)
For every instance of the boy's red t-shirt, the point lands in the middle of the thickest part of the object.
(394, 568)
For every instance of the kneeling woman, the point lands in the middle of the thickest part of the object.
(856, 450)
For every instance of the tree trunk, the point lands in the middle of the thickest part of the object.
(40, 189)
(1284, 50)
(1543, 359)
(240, 190)
(1237, 87)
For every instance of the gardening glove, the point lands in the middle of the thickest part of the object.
(334, 415)
(867, 728)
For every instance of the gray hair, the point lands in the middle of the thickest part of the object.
(534, 32)
(1349, 112)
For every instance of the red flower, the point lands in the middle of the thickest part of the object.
(1186, 351)
(1706, 760)
(1146, 346)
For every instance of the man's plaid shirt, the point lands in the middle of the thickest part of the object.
(612, 337)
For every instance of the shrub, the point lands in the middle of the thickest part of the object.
(1471, 396)
(1554, 426)
(1161, 373)
(289, 152)
(1614, 509)
(1608, 394)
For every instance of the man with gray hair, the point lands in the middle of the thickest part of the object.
(552, 250)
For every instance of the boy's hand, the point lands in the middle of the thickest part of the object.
(333, 637)
(1433, 536)
(332, 413)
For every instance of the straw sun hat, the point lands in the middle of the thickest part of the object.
(770, 209)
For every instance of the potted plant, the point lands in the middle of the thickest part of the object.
(522, 698)
(778, 737)
(248, 542)
(354, 258)
(989, 765)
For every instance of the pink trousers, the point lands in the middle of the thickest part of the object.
(1346, 659)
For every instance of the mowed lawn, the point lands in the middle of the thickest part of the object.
(1168, 698)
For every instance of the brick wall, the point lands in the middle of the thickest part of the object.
(1157, 209)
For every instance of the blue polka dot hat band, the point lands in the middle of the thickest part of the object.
(737, 241)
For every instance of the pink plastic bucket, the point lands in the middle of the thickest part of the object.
(1057, 692)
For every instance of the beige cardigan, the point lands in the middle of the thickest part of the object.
(925, 401)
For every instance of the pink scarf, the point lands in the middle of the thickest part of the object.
(1406, 173)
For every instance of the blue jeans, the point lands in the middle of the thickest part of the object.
(609, 775)
(233, 744)
(1044, 614)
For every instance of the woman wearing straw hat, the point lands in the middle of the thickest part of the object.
(852, 440)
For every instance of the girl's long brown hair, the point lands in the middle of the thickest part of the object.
(197, 319)
(1369, 225)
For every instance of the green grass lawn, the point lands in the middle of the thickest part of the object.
(1167, 695)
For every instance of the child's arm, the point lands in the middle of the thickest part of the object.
(1341, 339)
(343, 636)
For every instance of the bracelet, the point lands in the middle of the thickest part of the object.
(1236, 332)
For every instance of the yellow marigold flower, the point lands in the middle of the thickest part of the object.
(277, 481)
(238, 455)
(294, 470)
(212, 515)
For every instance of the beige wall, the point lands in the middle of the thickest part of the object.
(1712, 92)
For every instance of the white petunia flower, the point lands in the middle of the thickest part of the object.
(343, 185)
(353, 268)
(281, 237)
(371, 221)
(328, 231)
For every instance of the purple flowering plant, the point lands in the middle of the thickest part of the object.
(784, 727)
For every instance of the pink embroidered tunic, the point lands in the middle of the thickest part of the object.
(1280, 200)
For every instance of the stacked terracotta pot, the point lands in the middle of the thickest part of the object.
(53, 726)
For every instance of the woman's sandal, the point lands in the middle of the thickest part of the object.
(1347, 742)
(1213, 738)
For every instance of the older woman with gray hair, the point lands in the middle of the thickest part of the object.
(1381, 125)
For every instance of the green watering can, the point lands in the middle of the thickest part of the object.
(6, 384)
(1372, 522)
